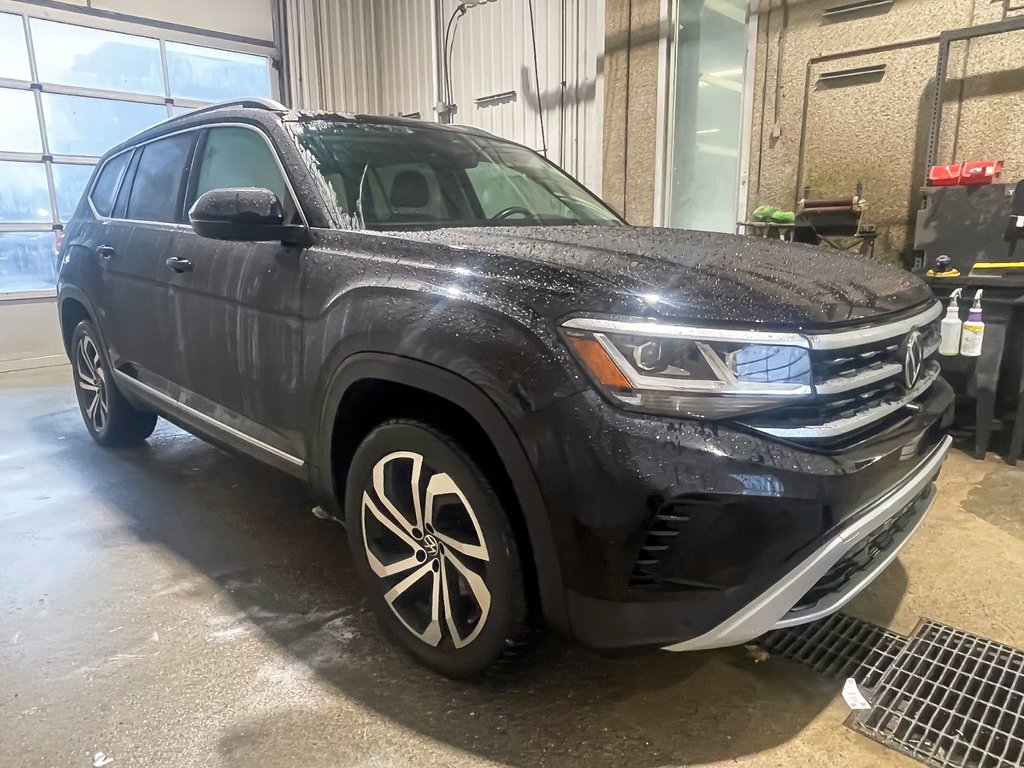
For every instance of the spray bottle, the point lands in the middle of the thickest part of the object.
(974, 330)
(950, 339)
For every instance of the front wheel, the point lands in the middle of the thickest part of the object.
(110, 419)
(433, 545)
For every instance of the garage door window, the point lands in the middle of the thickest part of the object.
(69, 183)
(14, 62)
(209, 74)
(23, 193)
(69, 93)
(19, 128)
(94, 58)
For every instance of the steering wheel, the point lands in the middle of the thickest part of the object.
(506, 212)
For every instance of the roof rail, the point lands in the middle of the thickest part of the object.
(252, 103)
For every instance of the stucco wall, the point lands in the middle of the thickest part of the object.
(875, 129)
(631, 95)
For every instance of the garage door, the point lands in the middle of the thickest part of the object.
(72, 86)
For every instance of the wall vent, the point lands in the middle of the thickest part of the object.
(852, 10)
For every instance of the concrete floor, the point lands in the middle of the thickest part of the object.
(176, 606)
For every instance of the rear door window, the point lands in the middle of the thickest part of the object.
(106, 183)
(157, 189)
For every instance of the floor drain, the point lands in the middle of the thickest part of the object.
(840, 646)
(950, 699)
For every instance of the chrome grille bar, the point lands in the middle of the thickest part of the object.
(873, 333)
(859, 420)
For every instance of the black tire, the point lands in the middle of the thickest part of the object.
(110, 419)
(467, 638)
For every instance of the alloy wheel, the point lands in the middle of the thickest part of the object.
(424, 542)
(92, 383)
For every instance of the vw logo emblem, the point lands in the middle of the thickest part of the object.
(913, 358)
(430, 545)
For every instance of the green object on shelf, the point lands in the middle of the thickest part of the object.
(763, 213)
(783, 217)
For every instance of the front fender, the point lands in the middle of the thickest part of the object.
(469, 397)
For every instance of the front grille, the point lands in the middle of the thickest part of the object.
(822, 410)
(856, 386)
(861, 557)
(837, 365)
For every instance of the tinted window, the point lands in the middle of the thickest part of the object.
(238, 157)
(106, 184)
(156, 191)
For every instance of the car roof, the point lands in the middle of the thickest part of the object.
(268, 111)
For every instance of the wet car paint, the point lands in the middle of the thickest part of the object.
(484, 304)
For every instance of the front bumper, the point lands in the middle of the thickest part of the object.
(780, 606)
(683, 534)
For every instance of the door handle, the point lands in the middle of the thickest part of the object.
(179, 265)
(105, 251)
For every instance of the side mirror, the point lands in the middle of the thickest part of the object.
(250, 214)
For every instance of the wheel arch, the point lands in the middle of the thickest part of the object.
(72, 308)
(458, 393)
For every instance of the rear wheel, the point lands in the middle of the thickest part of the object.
(110, 419)
(434, 548)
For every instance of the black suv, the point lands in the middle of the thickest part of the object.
(519, 405)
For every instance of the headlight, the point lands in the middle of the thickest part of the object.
(698, 372)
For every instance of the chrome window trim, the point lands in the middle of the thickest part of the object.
(204, 126)
(859, 420)
(133, 383)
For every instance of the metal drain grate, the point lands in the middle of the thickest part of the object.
(951, 699)
(840, 646)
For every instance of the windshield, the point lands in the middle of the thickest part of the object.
(406, 177)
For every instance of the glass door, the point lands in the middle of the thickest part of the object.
(710, 112)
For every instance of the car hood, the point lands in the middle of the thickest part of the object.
(705, 276)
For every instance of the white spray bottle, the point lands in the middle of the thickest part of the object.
(949, 343)
(974, 330)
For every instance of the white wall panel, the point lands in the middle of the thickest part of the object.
(331, 55)
(405, 48)
(494, 54)
(29, 333)
(381, 56)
